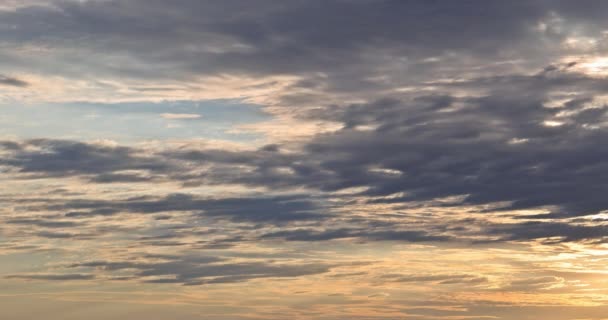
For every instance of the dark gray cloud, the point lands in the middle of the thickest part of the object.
(278, 209)
(499, 147)
(191, 270)
(350, 40)
(363, 234)
(12, 82)
(470, 152)
(45, 157)
(274, 37)
(119, 177)
(558, 232)
(55, 277)
(42, 222)
(63, 235)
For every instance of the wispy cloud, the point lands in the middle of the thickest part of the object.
(180, 116)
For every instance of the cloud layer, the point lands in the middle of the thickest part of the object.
(345, 159)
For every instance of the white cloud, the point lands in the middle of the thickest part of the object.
(180, 116)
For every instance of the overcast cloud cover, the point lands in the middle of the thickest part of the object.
(335, 159)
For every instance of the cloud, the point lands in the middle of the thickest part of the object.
(536, 283)
(52, 277)
(447, 279)
(120, 177)
(403, 159)
(364, 52)
(12, 82)
(191, 270)
(269, 38)
(556, 231)
(280, 209)
(43, 223)
(180, 116)
(49, 157)
(462, 147)
(364, 234)
(456, 146)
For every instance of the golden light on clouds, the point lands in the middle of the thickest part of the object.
(332, 160)
(593, 66)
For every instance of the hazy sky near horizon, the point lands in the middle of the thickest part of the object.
(303, 159)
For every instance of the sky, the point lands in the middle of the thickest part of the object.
(303, 159)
